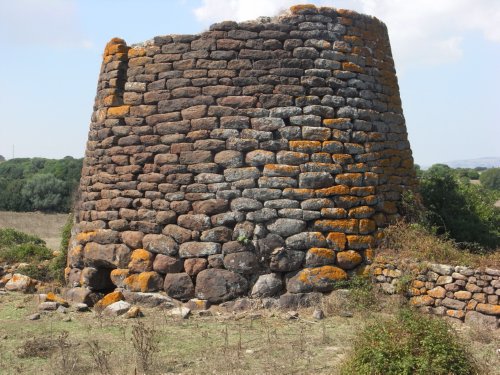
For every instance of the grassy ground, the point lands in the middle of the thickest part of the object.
(46, 226)
(252, 342)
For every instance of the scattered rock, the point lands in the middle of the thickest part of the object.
(180, 312)
(34, 316)
(318, 314)
(133, 312)
(267, 286)
(81, 307)
(117, 308)
(20, 283)
(48, 306)
(298, 300)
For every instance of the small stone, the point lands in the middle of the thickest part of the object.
(117, 308)
(81, 307)
(48, 306)
(34, 316)
(318, 314)
(133, 312)
(267, 286)
(180, 312)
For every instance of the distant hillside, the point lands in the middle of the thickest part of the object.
(488, 162)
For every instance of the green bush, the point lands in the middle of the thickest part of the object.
(26, 252)
(51, 192)
(10, 237)
(409, 344)
(58, 264)
(490, 178)
(464, 211)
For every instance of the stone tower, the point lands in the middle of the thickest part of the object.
(257, 157)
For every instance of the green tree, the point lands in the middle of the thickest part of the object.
(2, 158)
(466, 212)
(45, 192)
(491, 178)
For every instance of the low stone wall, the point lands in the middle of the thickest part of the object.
(467, 294)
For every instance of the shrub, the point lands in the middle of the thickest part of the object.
(466, 212)
(59, 262)
(490, 178)
(17, 246)
(409, 344)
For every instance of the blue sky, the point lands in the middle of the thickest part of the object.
(447, 55)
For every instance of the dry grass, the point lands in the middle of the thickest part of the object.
(412, 241)
(253, 342)
(46, 226)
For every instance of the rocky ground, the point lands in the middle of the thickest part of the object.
(45, 334)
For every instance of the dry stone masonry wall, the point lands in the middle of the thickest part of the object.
(457, 292)
(255, 158)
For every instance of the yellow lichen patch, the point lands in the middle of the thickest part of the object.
(109, 298)
(333, 190)
(486, 308)
(347, 260)
(118, 112)
(354, 40)
(111, 100)
(361, 212)
(362, 191)
(344, 226)
(336, 240)
(299, 194)
(115, 45)
(51, 297)
(351, 67)
(335, 122)
(75, 254)
(136, 52)
(437, 292)
(84, 237)
(360, 242)
(342, 159)
(118, 275)
(458, 314)
(297, 9)
(312, 276)
(141, 260)
(305, 146)
(367, 226)
(281, 170)
(322, 252)
(143, 282)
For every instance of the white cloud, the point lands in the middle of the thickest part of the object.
(421, 31)
(53, 23)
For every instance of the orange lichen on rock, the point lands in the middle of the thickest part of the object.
(136, 52)
(52, 297)
(360, 242)
(336, 240)
(333, 190)
(314, 276)
(118, 112)
(110, 298)
(307, 147)
(141, 260)
(301, 8)
(349, 259)
(488, 309)
(354, 40)
(112, 100)
(143, 282)
(322, 252)
(361, 212)
(281, 170)
(351, 67)
(362, 191)
(424, 300)
(367, 226)
(341, 225)
(369, 255)
(341, 122)
(115, 45)
(84, 237)
(342, 159)
(118, 275)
